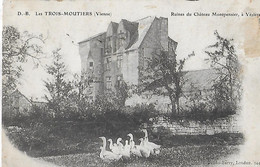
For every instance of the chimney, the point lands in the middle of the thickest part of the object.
(163, 32)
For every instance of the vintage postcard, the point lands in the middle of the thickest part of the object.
(130, 83)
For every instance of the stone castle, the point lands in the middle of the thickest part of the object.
(115, 55)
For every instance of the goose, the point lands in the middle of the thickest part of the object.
(125, 150)
(107, 155)
(154, 148)
(134, 149)
(119, 144)
(131, 140)
(113, 147)
(143, 149)
(127, 145)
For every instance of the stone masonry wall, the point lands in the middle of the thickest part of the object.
(223, 125)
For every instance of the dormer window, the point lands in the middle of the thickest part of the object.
(121, 38)
(122, 35)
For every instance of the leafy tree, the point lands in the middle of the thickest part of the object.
(16, 49)
(222, 56)
(58, 87)
(163, 75)
(112, 99)
(82, 90)
(122, 92)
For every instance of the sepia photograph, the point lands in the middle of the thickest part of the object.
(130, 84)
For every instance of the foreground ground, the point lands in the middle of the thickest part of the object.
(76, 144)
(175, 156)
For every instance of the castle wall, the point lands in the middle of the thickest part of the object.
(130, 67)
(91, 54)
(222, 125)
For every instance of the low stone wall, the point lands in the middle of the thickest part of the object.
(223, 125)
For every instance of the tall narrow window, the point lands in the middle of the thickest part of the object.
(108, 63)
(108, 48)
(121, 38)
(91, 65)
(91, 83)
(119, 80)
(119, 61)
(99, 68)
(108, 82)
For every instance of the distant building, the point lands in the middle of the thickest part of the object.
(116, 54)
(198, 85)
(39, 104)
(19, 103)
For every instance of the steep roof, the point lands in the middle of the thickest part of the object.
(194, 80)
(130, 26)
(114, 26)
(143, 27)
(93, 37)
(24, 95)
(17, 92)
(138, 30)
(200, 79)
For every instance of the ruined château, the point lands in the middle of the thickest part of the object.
(116, 54)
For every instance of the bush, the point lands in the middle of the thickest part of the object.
(109, 121)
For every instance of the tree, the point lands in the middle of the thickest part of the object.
(82, 90)
(222, 56)
(58, 87)
(163, 75)
(113, 99)
(16, 49)
(122, 92)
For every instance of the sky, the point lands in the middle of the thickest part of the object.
(193, 33)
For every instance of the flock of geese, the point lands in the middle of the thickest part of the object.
(118, 150)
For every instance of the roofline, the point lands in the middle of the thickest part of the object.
(200, 70)
(147, 31)
(92, 37)
(22, 95)
(144, 18)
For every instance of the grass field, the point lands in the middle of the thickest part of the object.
(76, 144)
(175, 156)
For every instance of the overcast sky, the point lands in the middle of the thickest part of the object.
(191, 33)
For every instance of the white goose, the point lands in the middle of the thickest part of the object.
(119, 144)
(113, 147)
(126, 150)
(127, 146)
(121, 149)
(134, 149)
(108, 155)
(143, 149)
(154, 148)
